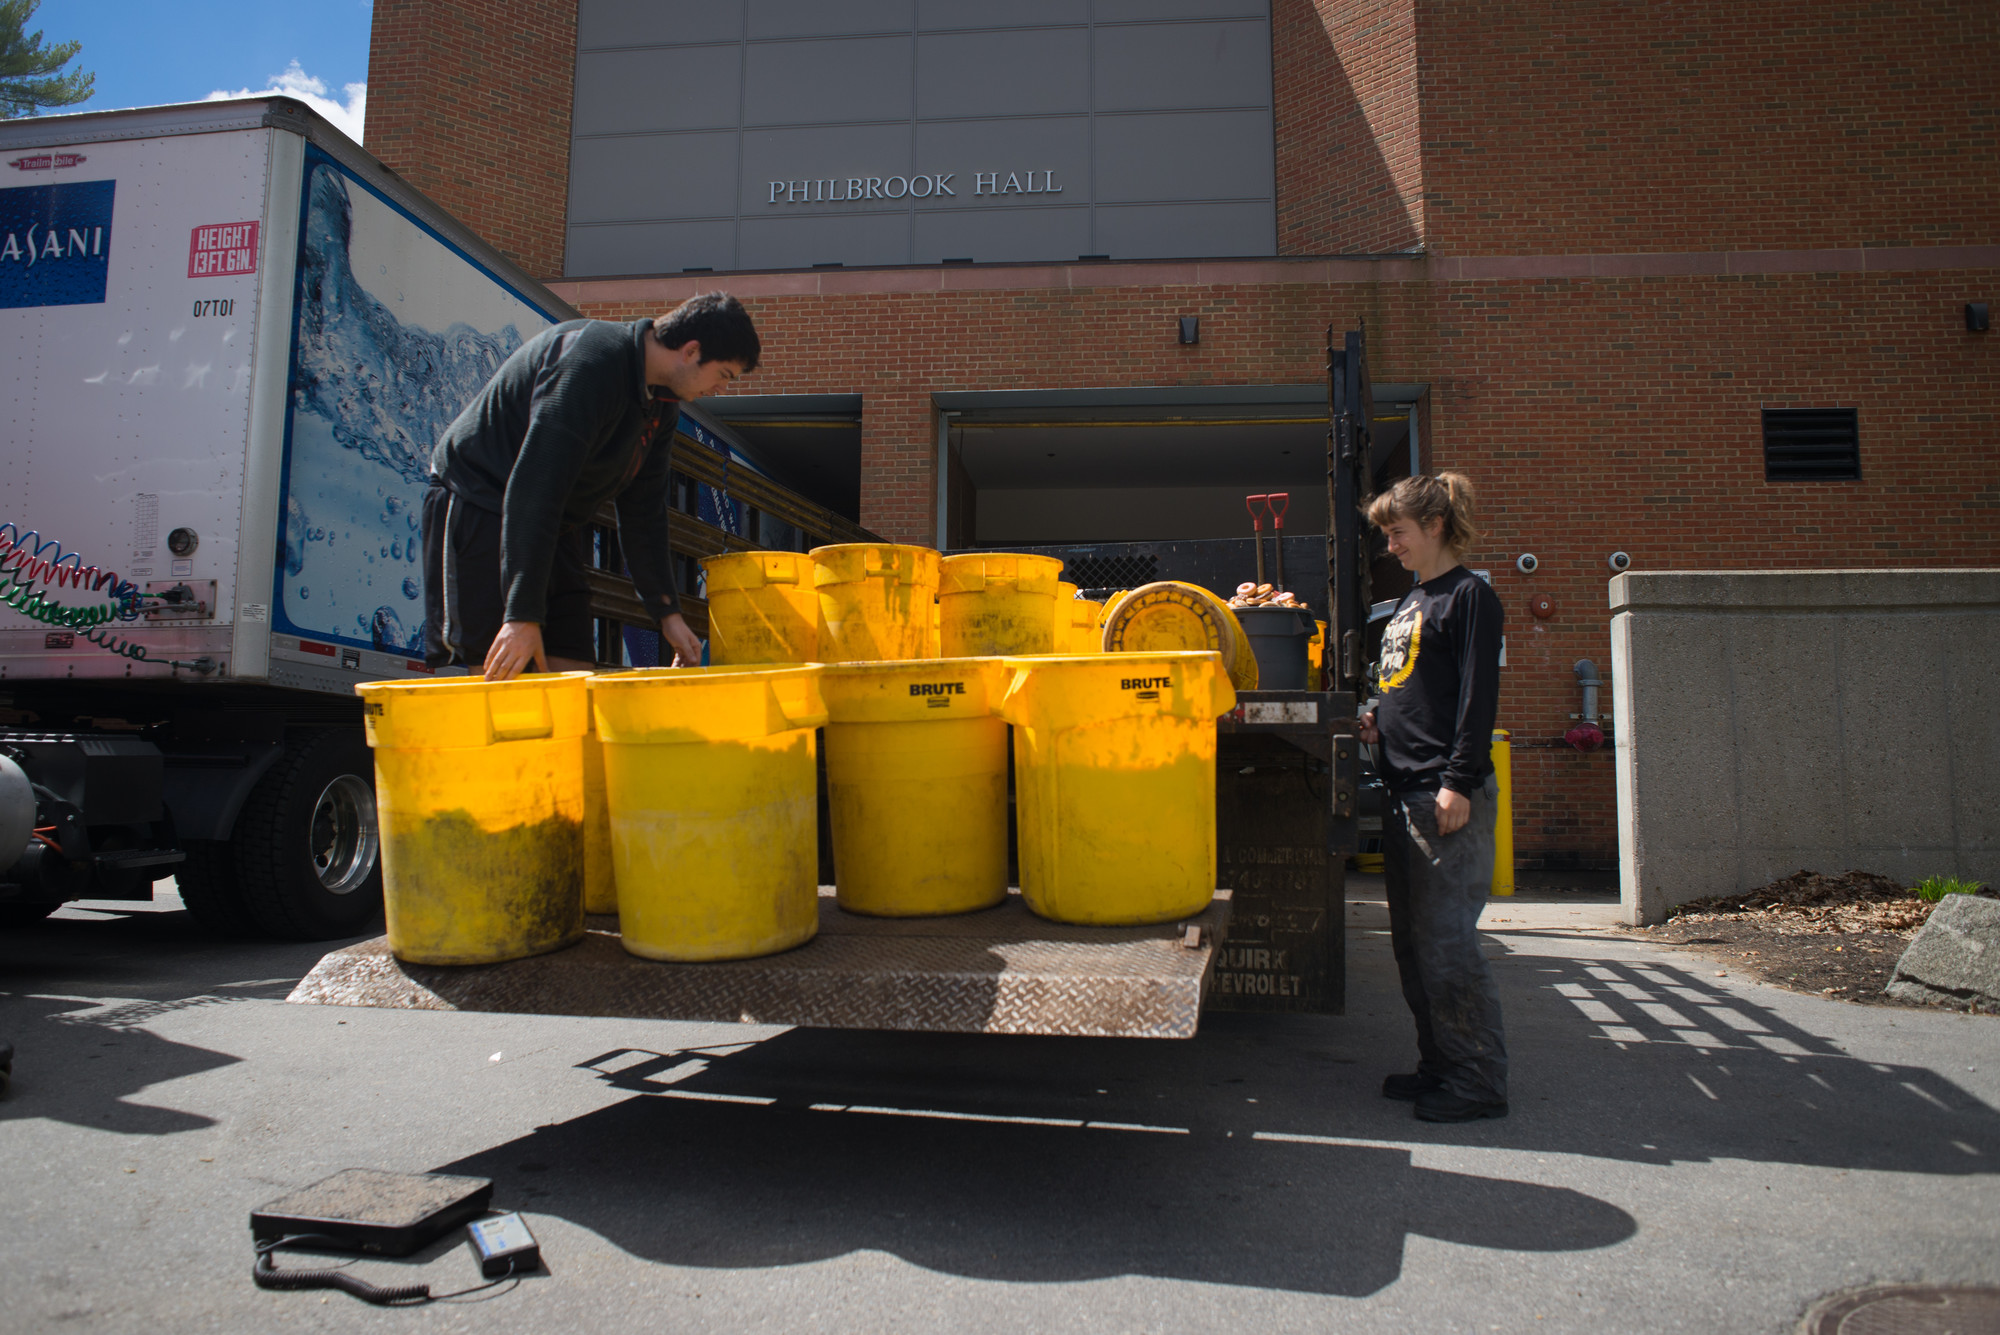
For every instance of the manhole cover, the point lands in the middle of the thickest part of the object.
(1907, 1309)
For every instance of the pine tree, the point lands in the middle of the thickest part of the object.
(29, 78)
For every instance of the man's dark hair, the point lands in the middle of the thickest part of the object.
(719, 322)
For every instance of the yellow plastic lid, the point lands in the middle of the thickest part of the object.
(1170, 615)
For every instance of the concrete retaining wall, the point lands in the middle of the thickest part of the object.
(1821, 719)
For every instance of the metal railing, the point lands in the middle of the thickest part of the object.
(614, 600)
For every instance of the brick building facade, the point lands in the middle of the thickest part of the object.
(1604, 237)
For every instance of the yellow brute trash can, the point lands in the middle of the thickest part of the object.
(1114, 783)
(916, 772)
(997, 603)
(479, 791)
(874, 601)
(710, 777)
(762, 608)
(1168, 615)
(1078, 622)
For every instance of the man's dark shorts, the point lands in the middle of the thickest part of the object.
(463, 604)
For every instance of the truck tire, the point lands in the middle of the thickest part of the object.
(308, 856)
(207, 882)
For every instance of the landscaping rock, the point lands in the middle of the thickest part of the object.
(1955, 959)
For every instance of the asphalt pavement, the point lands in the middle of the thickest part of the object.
(1688, 1151)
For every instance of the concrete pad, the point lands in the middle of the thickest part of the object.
(1687, 1151)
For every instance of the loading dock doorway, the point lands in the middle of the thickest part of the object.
(1043, 468)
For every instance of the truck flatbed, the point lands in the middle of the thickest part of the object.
(999, 971)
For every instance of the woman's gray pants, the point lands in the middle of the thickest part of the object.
(1437, 886)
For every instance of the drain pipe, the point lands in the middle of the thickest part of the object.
(1586, 735)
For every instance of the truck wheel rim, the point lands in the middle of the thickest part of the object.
(345, 841)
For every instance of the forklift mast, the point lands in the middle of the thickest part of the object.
(1349, 409)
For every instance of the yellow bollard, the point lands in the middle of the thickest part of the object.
(1503, 814)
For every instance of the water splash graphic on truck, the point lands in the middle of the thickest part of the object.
(395, 336)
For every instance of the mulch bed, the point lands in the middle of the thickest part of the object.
(1838, 936)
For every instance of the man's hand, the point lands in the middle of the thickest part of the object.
(1367, 730)
(1454, 810)
(687, 646)
(515, 649)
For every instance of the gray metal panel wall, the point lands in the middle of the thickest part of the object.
(916, 131)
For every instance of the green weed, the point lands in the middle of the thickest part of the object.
(1933, 888)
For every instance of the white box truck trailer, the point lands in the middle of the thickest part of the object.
(230, 340)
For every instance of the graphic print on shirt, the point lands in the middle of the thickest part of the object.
(1400, 643)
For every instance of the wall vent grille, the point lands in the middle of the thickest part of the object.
(1811, 445)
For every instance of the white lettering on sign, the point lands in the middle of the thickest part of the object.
(219, 249)
(839, 190)
(82, 241)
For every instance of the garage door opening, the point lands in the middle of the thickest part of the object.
(1081, 467)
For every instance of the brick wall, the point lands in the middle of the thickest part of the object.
(1349, 168)
(1595, 415)
(469, 101)
(1708, 124)
(1613, 409)
(1473, 128)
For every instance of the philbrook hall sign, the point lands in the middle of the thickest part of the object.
(789, 134)
(845, 189)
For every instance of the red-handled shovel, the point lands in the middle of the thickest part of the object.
(1279, 502)
(1257, 506)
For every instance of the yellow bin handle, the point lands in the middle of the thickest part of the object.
(520, 716)
(799, 699)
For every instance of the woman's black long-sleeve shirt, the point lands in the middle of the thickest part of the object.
(566, 424)
(1439, 678)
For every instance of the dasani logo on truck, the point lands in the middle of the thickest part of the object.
(55, 244)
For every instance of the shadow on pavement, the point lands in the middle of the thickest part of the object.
(692, 1182)
(1652, 1061)
(80, 1060)
(1258, 1153)
(79, 1063)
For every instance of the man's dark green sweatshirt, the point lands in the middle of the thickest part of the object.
(566, 424)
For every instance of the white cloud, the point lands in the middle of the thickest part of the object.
(347, 117)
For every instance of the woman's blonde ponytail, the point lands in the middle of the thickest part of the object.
(1462, 507)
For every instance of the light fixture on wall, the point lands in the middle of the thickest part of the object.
(1976, 318)
(1190, 329)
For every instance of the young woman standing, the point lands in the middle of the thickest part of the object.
(1439, 684)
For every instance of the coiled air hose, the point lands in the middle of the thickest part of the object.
(30, 565)
(266, 1275)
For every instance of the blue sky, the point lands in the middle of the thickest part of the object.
(150, 51)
